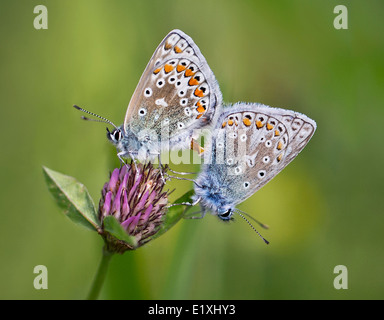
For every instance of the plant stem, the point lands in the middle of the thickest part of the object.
(100, 275)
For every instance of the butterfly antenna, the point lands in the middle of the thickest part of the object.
(265, 240)
(101, 119)
(265, 226)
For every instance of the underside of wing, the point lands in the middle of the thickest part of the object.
(177, 91)
(255, 142)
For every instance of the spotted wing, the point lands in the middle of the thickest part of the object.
(177, 89)
(254, 143)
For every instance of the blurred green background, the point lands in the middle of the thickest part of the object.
(325, 209)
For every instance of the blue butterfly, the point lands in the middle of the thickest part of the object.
(176, 95)
(250, 144)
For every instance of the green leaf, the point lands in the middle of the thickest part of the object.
(175, 213)
(114, 228)
(73, 198)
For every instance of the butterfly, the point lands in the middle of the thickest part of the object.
(250, 144)
(176, 95)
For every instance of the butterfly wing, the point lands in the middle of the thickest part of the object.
(252, 144)
(177, 90)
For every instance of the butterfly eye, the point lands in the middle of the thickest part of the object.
(226, 215)
(115, 135)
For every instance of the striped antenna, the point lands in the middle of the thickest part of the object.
(265, 240)
(265, 226)
(101, 119)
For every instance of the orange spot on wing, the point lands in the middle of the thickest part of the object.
(230, 122)
(177, 49)
(247, 122)
(279, 146)
(279, 157)
(157, 71)
(200, 109)
(167, 46)
(259, 124)
(198, 93)
(199, 116)
(269, 126)
(180, 68)
(168, 68)
(224, 124)
(193, 82)
(277, 133)
(189, 73)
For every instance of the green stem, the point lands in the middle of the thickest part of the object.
(100, 275)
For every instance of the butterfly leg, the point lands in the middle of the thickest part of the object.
(181, 173)
(186, 203)
(179, 178)
(194, 215)
(120, 156)
(196, 147)
(161, 167)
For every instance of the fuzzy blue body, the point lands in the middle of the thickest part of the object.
(214, 192)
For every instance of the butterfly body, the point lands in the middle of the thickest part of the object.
(250, 144)
(216, 196)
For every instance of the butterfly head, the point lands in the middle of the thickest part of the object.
(115, 136)
(225, 214)
(214, 196)
(126, 142)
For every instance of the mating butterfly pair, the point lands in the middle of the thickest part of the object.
(178, 94)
